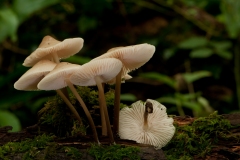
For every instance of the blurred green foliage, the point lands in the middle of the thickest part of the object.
(194, 70)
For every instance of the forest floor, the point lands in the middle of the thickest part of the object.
(222, 150)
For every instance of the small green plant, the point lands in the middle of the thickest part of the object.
(114, 152)
(197, 139)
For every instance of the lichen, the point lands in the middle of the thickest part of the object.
(198, 138)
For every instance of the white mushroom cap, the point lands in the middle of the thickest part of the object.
(106, 69)
(132, 57)
(56, 79)
(30, 79)
(160, 127)
(49, 45)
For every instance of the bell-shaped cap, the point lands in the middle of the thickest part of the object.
(105, 69)
(49, 45)
(132, 57)
(160, 127)
(30, 79)
(56, 79)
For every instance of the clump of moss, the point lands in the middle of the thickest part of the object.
(197, 139)
(29, 147)
(72, 152)
(56, 116)
(114, 152)
(41, 147)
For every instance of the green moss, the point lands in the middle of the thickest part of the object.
(114, 152)
(60, 120)
(41, 147)
(72, 152)
(29, 147)
(198, 139)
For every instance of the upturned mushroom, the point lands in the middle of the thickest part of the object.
(59, 78)
(29, 81)
(54, 50)
(146, 123)
(132, 57)
(95, 73)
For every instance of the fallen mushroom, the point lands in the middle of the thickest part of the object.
(53, 49)
(95, 73)
(146, 123)
(132, 57)
(29, 81)
(59, 78)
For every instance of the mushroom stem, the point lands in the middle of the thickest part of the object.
(74, 91)
(148, 109)
(69, 104)
(103, 106)
(117, 103)
(56, 60)
(55, 57)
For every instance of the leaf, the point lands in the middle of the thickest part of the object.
(187, 104)
(169, 100)
(231, 13)
(222, 45)
(193, 42)
(224, 54)
(128, 97)
(9, 119)
(87, 23)
(8, 24)
(77, 59)
(192, 105)
(25, 8)
(168, 53)
(204, 102)
(160, 77)
(201, 53)
(191, 77)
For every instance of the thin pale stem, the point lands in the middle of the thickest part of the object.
(103, 120)
(117, 103)
(74, 91)
(55, 59)
(103, 106)
(69, 104)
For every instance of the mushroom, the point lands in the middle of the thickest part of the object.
(132, 57)
(29, 81)
(53, 49)
(95, 73)
(59, 78)
(146, 123)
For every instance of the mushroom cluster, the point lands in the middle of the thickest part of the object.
(146, 123)
(112, 67)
